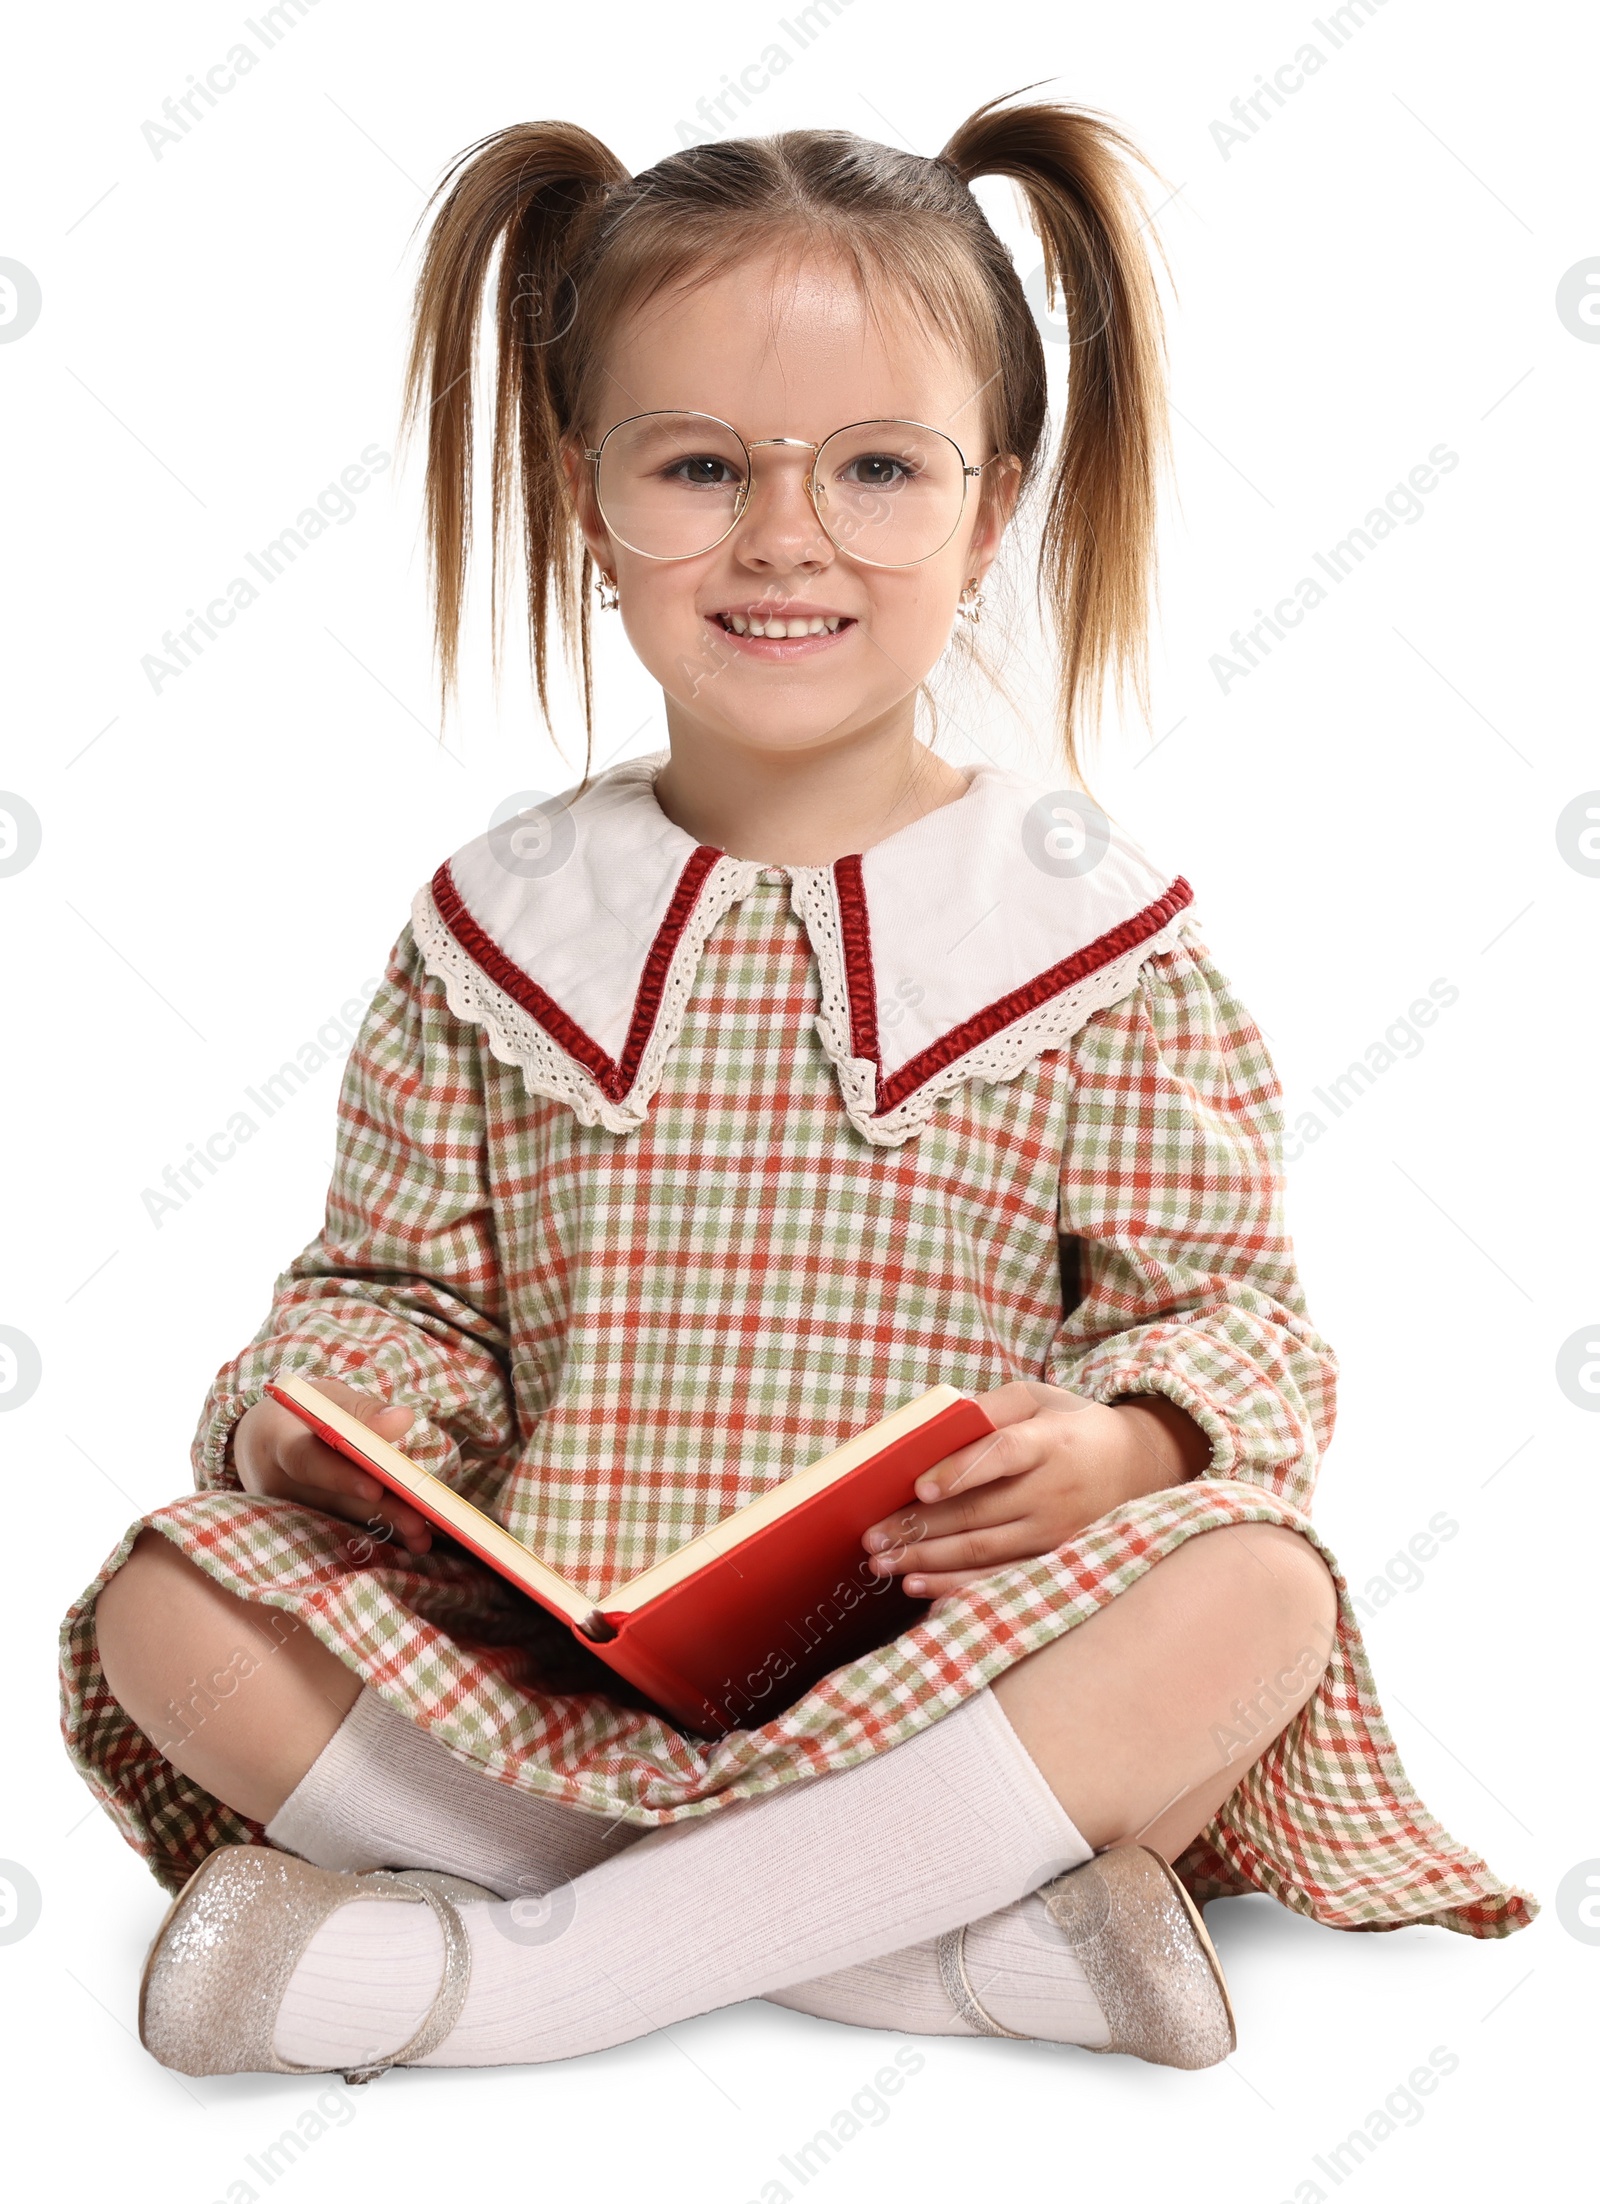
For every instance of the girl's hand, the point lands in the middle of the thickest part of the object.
(275, 1453)
(1056, 1463)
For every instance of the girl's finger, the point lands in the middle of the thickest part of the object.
(389, 1423)
(321, 1478)
(382, 1520)
(938, 1585)
(364, 1406)
(1020, 1446)
(308, 1461)
(402, 1526)
(981, 1550)
(1022, 1398)
(1000, 1502)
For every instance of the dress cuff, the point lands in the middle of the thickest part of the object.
(1132, 1375)
(213, 1446)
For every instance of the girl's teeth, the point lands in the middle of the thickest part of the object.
(818, 624)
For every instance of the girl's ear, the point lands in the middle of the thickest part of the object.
(1002, 485)
(579, 473)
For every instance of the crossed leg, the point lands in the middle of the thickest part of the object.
(1132, 1727)
(1141, 1720)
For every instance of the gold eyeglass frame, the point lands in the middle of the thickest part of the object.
(968, 473)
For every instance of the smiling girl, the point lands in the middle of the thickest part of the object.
(705, 1115)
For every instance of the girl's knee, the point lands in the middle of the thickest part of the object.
(159, 1612)
(156, 1573)
(141, 1588)
(1295, 1561)
(1289, 1577)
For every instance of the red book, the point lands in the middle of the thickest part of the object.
(735, 1625)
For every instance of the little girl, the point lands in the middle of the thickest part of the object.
(706, 1115)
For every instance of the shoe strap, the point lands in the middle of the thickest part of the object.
(951, 1954)
(451, 1994)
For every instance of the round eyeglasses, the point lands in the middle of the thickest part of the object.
(674, 485)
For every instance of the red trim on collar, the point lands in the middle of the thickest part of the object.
(613, 1078)
(986, 1023)
(855, 935)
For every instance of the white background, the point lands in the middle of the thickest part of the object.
(1371, 274)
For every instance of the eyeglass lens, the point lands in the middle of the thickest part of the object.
(888, 492)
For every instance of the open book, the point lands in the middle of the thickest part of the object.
(732, 1627)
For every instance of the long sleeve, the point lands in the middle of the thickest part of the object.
(1172, 1185)
(401, 1292)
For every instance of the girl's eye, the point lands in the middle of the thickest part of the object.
(877, 471)
(705, 471)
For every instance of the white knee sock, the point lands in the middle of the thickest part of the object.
(950, 1827)
(1022, 1970)
(383, 1793)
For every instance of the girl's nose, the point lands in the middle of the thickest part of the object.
(778, 529)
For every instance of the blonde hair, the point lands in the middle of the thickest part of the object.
(573, 244)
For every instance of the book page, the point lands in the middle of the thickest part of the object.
(480, 1532)
(771, 1506)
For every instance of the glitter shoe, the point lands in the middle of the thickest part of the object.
(1144, 1951)
(224, 1955)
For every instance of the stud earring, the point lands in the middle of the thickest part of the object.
(970, 603)
(606, 590)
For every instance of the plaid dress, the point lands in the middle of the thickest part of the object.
(613, 1339)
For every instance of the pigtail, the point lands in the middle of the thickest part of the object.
(1097, 564)
(534, 195)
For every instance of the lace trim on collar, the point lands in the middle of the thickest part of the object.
(996, 1045)
(524, 1027)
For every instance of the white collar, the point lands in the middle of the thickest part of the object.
(961, 948)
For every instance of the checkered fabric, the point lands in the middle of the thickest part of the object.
(612, 1341)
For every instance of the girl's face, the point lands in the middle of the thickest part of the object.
(790, 351)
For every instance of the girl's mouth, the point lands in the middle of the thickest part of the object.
(781, 635)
